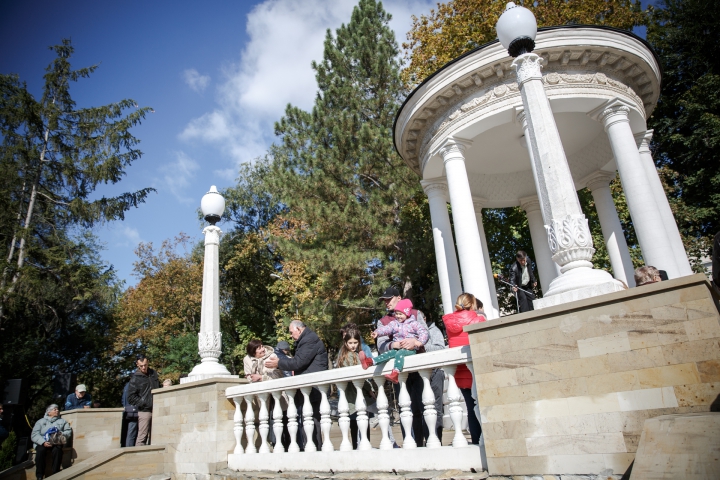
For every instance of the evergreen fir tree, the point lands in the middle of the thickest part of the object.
(344, 186)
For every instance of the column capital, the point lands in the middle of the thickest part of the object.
(530, 204)
(643, 140)
(599, 179)
(528, 67)
(520, 117)
(212, 235)
(435, 187)
(453, 148)
(478, 203)
(611, 112)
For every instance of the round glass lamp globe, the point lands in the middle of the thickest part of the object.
(515, 22)
(212, 203)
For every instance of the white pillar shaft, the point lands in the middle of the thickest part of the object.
(668, 219)
(447, 265)
(613, 234)
(466, 229)
(547, 269)
(491, 307)
(641, 202)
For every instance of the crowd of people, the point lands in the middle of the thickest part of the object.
(403, 331)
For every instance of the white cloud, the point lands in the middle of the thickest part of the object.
(177, 176)
(196, 81)
(128, 237)
(285, 36)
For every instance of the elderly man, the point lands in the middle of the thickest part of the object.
(44, 440)
(310, 356)
(647, 275)
(80, 399)
(142, 383)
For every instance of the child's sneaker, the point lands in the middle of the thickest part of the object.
(393, 376)
(365, 361)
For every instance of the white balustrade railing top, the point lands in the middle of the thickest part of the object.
(285, 391)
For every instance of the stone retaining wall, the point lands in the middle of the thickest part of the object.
(567, 389)
(94, 430)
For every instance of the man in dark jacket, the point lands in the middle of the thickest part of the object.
(522, 278)
(310, 356)
(142, 382)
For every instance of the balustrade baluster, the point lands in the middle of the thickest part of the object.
(406, 416)
(454, 398)
(344, 420)
(325, 420)
(430, 414)
(277, 425)
(263, 428)
(308, 423)
(238, 428)
(362, 417)
(250, 425)
(383, 416)
(292, 421)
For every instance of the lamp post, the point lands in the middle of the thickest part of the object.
(210, 337)
(567, 228)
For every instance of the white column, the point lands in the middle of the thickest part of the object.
(547, 269)
(406, 416)
(569, 236)
(383, 417)
(210, 337)
(466, 229)
(238, 426)
(456, 411)
(492, 310)
(599, 185)
(447, 265)
(671, 228)
(646, 218)
(308, 423)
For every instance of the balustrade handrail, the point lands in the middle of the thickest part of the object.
(440, 358)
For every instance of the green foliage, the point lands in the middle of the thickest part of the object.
(355, 219)
(686, 121)
(7, 451)
(56, 295)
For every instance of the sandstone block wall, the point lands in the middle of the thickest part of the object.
(567, 389)
(195, 422)
(94, 430)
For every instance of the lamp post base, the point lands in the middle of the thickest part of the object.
(208, 369)
(577, 284)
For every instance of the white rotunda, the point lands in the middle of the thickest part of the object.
(489, 131)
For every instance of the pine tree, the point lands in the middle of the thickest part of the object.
(344, 187)
(54, 156)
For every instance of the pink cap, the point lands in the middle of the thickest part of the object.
(404, 306)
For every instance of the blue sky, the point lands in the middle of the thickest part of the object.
(218, 74)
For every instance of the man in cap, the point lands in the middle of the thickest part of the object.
(80, 399)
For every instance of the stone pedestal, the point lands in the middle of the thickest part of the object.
(566, 390)
(94, 430)
(195, 422)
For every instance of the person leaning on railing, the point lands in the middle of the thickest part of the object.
(465, 314)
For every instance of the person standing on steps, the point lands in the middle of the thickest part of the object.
(142, 383)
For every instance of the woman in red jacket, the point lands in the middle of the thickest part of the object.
(464, 314)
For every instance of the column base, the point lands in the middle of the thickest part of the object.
(577, 284)
(206, 370)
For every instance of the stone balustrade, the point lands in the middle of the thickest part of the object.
(342, 457)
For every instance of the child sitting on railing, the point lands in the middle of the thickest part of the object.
(405, 326)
